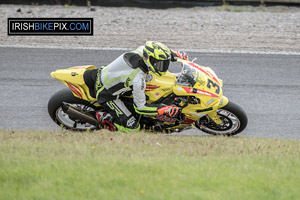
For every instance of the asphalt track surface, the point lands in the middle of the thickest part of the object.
(266, 86)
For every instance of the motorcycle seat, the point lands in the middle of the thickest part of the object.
(89, 78)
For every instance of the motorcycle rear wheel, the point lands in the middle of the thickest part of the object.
(60, 117)
(234, 120)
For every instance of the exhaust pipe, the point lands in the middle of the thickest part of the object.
(79, 114)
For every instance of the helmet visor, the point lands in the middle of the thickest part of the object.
(160, 65)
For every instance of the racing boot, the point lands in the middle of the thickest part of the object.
(106, 120)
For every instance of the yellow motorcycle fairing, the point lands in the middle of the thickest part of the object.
(199, 83)
(159, 86)
(73, 78)
(202, 87)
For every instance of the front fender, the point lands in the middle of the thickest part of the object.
(223, 102)
(214, 115)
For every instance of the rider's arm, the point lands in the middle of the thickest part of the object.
(139, 99)
(141, 107)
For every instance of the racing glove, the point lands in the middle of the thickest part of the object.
(177, 54)
(171, 111)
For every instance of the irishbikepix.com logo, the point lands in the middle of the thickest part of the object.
(50, 26)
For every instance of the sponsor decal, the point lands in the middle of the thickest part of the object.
(204, 110)
(50, 26)
(127, 82)
(143, 84)
(210, 101)
(114, 107)
(149, 77)
(201, 80)
(130, 122)
(221, 102)
(164, 118)
(198, 91)
(98, 82)
(166, 89)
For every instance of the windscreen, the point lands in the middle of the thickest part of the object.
(188, 76)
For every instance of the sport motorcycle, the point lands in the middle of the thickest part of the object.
(196, 90)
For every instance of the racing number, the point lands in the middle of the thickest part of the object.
(211, 83)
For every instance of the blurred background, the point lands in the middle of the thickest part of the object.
(152, 3)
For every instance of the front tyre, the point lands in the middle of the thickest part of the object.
(233, 117)
(61, 118)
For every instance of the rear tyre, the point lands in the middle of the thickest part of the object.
(234, 120)
(62, 119)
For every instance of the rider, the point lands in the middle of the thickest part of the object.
(127, 73)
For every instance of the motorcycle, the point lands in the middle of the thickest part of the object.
(196, 90)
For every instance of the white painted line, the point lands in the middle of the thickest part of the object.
(65, 47)
(243, 52)
(129, 49)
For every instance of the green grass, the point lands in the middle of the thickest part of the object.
(103, 165)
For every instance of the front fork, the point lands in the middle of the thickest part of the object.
(214, 115)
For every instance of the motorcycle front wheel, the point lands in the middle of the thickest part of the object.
(61, 118)
(234, 121)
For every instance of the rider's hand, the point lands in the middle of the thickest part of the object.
(177, 54)
(171, 111)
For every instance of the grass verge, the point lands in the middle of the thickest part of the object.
(103, 165)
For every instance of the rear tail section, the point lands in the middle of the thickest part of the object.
(73, 79)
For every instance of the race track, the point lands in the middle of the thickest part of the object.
(266, 86)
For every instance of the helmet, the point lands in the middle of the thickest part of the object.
(157, 57)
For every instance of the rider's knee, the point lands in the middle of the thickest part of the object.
(126, 129)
